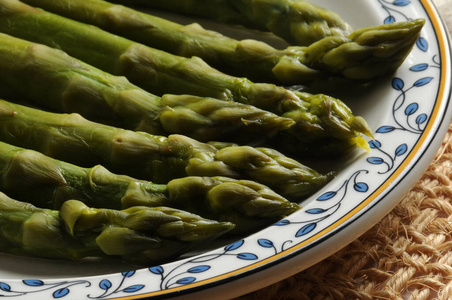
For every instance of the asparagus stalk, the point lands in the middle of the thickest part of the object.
(137, 234)
(299, 22)
(49, 77)
(48, 183)
(361, 56)
(141, 155)
(317, 117)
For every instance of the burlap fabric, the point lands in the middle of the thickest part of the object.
(407, 255)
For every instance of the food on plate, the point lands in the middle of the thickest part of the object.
(299, 22)
(319, 119)
(162, 152)
(71, 138)
(363, 55)
(48, 183)
(138, 234)
(49, 77)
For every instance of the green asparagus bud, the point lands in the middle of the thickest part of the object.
(143, 65)
(380, 48)
(28, 230)
(299, 22)
(211, 119)
(350, 55)
(235, 200)
(163, 221)
(49, 77)
(48, 183)
(328, 113)
(78, 231)
(156, 158)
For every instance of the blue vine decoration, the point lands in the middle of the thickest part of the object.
(60, 289)
(322, 213)
(107, 286)
(424, 66)
(390, 8)
(186, 272)
(410, 125)
(390, 159)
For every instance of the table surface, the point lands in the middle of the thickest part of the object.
(445, 9)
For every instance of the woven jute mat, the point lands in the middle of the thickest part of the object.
(407, 255)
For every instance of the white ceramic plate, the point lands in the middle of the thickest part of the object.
(409, 113)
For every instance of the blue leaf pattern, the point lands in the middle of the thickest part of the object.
(306, 229)
(389, 19)
(283, 222)
(234, 246)
(374, 144)
(419, 67)
(422, 81)
(421, 119)
(105, 284)
(128, 274)
(375, 160)
(157, 270)
(247, 256)
(5, 287)
(385, 129)
(186, 280)
(422, 44)
(133, 288)
(326, 196)
(401, 2)
(60, 293)
(198, 269)
(402, 149)
(33, 282)
(265, 243)
(398, 84)
(411, 109)
(361, 187)
(315, 211)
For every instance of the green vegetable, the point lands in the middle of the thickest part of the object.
(361, 56)
(51, 78)
(137, 234)
(317, 117)
(48, 183)
(299, 22)
(159, 159)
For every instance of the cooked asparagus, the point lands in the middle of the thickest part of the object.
(30, 175)
(299, 22)
(156, 158)
(137, 234)
(48, 183)
(363, 55)
(317, 117)
(51, 78)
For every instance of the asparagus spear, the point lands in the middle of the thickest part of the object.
(48, 183)
(363, 55)
(317, 117)
(137, 234)
(51, 78)
(299, 22)
(156, 158)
